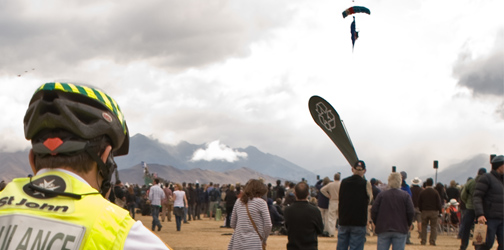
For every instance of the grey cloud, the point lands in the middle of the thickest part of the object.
(484, 75)
(170, 34)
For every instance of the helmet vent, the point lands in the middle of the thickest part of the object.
(49, 96)
(84, 117)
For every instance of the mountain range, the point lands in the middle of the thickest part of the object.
(178, 163)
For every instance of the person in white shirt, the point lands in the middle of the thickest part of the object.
(180, 202)
(156, 195)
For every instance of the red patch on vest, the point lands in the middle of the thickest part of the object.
(53, 143)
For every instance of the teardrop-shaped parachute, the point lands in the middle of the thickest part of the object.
(356, 9)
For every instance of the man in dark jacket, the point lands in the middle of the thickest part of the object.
(429, 204)
(488, 201)
(353, 209)
(468, 216)
(323, 204)
(303, 221)
(392, 214)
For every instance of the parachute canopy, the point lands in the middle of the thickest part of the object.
(356, 9)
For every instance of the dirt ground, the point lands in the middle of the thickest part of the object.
(206, 234)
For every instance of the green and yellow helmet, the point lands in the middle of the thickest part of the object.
(82, 111)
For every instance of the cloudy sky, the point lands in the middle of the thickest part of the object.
(424, 81)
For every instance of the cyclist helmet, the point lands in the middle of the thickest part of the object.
(82, 111)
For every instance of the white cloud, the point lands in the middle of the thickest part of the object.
(217, 151)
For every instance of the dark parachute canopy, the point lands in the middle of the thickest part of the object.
(356, 9)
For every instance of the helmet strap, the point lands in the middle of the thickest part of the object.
(104, 169)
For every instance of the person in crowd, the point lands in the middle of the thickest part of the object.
(451, 213)
(323, 204)
(138, 194)
(167, 203)
(111, 195)
(186, 205)
(278, 206)
(279, 190)
(199, 201)
(374, 186)
(250, 219)
(277, 219)
(156, 195)
(131, 201)
(205, 201)
(303, 221)
(239, 190)
(405, 187)
(468, 216)
(191, 199)
(416, 188)
(331, 191)
(289, 195)
(440, 188)
(270, 194)
(376, 190)
(430, 206)
(230, 201)
(120, 196)
(179, 203)
(488, 201)
(354, 198)
(392, 214)
(452, 192)
(73, 162)
(214, 195)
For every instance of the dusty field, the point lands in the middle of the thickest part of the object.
(207, 235)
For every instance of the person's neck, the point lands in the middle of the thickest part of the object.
(90, 177)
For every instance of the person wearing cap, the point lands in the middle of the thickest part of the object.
(354, 196)
(451, 213)
(416, 188)
(392, 214)
(488, 201)
(466, 195)
(75, 132)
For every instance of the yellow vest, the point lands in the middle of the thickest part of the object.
(33, 220)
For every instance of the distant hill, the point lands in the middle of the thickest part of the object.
(461, 171)
(169, 161)
(173, 162)
(179, 156)
(14, 165)
(172, 174)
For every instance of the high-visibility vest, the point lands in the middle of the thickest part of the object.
(34, 220)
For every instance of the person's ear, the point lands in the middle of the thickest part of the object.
(106, 153)
(31, 157)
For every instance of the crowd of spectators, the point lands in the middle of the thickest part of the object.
(350, 210)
